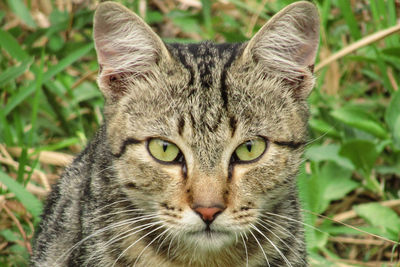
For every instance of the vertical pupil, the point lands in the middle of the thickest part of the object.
(249, 145)
(165, 146)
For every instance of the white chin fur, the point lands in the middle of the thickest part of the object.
(193, 233)
(206, 241)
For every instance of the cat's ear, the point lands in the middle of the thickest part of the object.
(126, 47)
(287, 44)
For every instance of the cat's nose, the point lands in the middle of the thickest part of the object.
(208, 214)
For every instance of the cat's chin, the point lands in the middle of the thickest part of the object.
(210, 239)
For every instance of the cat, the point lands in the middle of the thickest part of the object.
(196, 162)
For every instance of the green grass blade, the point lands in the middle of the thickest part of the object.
(246, 7)
(27, 91)
(207, 18)
(23, 161)
(19, 8)
(35, 106)
(326, 6)
(14, 72)
(67, 61)
(17, 98)
(59, 145)
(375, 14)
(31, 203)
(6, 135)
(351, 21)
(8, 43)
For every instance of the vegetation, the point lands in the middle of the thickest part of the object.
(349, 182)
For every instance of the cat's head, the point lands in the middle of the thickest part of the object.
(207, 137)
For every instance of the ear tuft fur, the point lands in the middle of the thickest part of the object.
(287, 44)
(125, 44)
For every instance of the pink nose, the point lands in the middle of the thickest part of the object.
(208, 214)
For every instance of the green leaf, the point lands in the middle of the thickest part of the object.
(362, 153)
(388, 169)
(336, 183)
(329, 152)
(323, 127)
(31, 203)
(2, 14)
(360, 119)
(154, 17)
(56, 42)
(186, 23)
(9, 235)
(309, 190)
(310, 196)
(393, 110)
(19, 8)
(396, 132)
(392, 51)
(380, 216)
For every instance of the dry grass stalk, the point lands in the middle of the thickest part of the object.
(45, 157)
(37, 175)
(352, 214)
(27, 243)
(358, 241)
(353, 263)
(254, 18)
(357, 45)
(352, 227)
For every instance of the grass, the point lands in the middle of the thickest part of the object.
(350, 181)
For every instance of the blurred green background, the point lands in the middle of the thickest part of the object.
(349, 182)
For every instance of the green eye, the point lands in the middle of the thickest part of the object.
(164, 150)
(250, 150)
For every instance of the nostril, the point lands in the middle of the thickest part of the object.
(208, 214)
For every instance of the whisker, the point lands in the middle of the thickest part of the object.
(272, 243)
(293, 220)
(283, 229)
(263, 252)
(114, 225)
(103, 170)
(159, 246)
(170, 243)
(140, 254)
(116, 213)
(294, 252)
(131, 232)
(111, 204)
(245, 249)
(134, 243)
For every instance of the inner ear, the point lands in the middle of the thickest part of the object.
(114, 85)
(127, 48)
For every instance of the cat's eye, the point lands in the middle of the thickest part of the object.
(250, 150)
(164, 151)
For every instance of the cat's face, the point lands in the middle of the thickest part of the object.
(207, 138)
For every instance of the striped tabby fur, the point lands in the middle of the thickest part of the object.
(118, 206)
